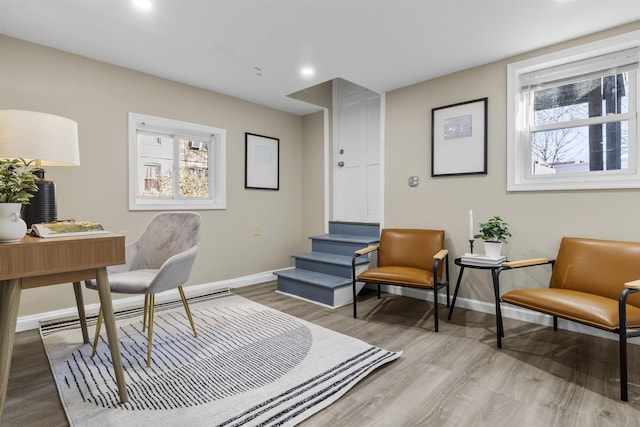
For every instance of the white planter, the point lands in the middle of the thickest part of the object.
(12, 227)
(492, 249)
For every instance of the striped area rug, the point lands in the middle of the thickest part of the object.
(250, 365)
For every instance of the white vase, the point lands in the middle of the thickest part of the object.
(12, 227)
(492, 249)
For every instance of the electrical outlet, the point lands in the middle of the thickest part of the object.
(256, 229)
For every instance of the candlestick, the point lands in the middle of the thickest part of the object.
(470, 225)
(470, 245)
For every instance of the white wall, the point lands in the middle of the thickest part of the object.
(313, 191)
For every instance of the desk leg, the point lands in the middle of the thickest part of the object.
(455, 293)
(77, 289)
(9, 303)
(104, 291)
(495, 273)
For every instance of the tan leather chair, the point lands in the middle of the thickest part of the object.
(591, 283)
(407, 257)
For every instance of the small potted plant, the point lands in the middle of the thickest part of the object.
(17, 185)
(494, 233)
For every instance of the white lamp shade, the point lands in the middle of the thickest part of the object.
(51, 140)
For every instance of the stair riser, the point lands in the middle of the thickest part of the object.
(333, 247)
(306, 290)
(354, 229)
(323, 267)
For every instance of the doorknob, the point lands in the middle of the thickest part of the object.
(341, 164)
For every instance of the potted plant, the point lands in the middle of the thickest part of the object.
(17, 185)
(494, 233)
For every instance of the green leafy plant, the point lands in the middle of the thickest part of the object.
(17, 181)
(494, 230)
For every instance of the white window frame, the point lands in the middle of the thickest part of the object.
(519, 176)
(217, 164)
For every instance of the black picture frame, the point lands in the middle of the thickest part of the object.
(261, 162)
(459, 139)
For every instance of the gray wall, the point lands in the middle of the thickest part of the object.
(98, 96)
(538, 219)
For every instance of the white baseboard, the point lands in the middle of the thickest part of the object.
(25, 323)
(508, 311)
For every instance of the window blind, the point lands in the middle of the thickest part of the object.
(586, 69)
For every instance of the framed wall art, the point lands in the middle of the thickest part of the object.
(262, 162)
(459, 138)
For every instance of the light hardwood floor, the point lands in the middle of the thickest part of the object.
(456, 377)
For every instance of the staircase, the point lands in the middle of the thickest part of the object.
(324, 274)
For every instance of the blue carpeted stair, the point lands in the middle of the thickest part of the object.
(324, 274)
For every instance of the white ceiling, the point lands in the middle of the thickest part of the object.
(254, 49)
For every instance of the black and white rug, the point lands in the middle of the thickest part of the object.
(249, 365)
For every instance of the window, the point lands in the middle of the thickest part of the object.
(572, 118)
(175, 165)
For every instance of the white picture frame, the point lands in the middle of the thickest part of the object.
(262, 162)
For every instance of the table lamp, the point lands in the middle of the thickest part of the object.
(48, 140)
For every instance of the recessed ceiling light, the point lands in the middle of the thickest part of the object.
(143, 4)
(307, 71)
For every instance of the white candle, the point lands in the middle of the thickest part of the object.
(471, 225)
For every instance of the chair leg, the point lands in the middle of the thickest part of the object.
(145, 318)
(622, 313)
(435, 306)
(355, 311)
(379, 291)
(447, 277)
(624, 385)
(186, 308)
(150, 332)
(448, 293)
(97, 336)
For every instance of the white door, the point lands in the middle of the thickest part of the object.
(356, 153)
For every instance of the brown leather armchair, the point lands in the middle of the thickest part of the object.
(407, 257)
(591, 283)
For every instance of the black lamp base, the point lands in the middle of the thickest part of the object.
(42, 206)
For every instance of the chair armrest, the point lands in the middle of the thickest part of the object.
(365, 251)
(629, 288)
(441, 254)
(175, 271)
(633, 285)
(526, 262)
(357, 254)
(438, 258)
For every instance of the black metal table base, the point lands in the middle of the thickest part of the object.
(495, 273)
